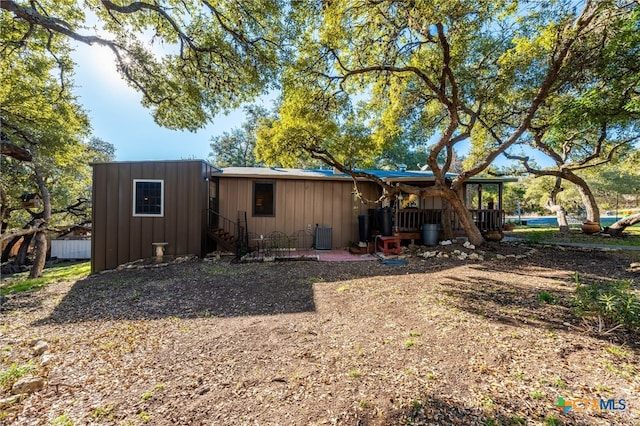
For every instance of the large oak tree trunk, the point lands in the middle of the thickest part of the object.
(552, 205)
(23, 251)
(590, 204)
(464, 216)
(41, 236)
(26, 234)
(617, 228)
(588, 199)
(455, 202)
(7, 249)
(40, 259)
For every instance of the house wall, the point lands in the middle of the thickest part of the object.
(119, 237)
(299, 205)
(431, 203)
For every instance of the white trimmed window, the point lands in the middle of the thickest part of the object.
(148, 197)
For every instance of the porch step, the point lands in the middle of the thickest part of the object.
(221, 234)
(225, 240)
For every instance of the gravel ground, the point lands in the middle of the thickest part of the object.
(438, 341)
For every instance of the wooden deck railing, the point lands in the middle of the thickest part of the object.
(488, 219)
(410, 220)
(485, 219)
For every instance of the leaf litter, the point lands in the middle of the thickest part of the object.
(438, 341)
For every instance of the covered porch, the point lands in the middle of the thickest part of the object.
(407, 214)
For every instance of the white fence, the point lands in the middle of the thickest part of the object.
(71, 249)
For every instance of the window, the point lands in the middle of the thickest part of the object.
(148, 197)
(264, 199)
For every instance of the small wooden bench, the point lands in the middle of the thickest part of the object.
(388, 245)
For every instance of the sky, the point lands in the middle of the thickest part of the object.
(118, 117)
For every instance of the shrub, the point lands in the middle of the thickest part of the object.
(546, 297)
(613, 304)
(13, 373)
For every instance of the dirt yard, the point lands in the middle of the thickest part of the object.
(440, 341)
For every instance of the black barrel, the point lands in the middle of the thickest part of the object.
(364, 227)
(386, 221)
(430, 234)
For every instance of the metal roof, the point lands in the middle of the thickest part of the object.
(322, 174)
(330, 174)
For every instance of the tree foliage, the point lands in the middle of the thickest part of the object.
(593, 119)
(368, 73)
(43, 134)
(189, 59)
(236, 148)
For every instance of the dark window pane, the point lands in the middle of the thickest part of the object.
(149, 198)
(263, 199)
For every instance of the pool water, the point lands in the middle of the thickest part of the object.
(553, 221)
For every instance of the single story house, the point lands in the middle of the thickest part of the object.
(194, 207)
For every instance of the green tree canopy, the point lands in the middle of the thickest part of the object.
(189, 59)
(236, 148)
(593, 118)
(447, 72)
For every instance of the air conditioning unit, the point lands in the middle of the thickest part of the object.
(323, 238)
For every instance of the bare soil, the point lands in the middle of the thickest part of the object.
(439, 341)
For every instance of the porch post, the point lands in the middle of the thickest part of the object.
(464, 194)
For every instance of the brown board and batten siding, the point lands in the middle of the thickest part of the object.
(300, 204)
(119, 237)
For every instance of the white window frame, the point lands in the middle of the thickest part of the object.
(161, 181)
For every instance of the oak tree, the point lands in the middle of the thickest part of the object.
(188, 59)
(593, 120)
(461, 71)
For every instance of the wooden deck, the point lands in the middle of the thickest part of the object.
(408, 222)
(488, 219)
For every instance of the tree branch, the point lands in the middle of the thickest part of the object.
(558, 58)
(22, 232)
(14, 151)
(30, 15)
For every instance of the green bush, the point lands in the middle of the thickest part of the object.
(546, 297)
(9, 376)
(614, 303)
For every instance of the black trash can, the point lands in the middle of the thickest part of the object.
(364, 227)
(430, 234)
(386, 221)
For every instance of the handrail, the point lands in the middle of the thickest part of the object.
(216, 220)
(242, 235)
